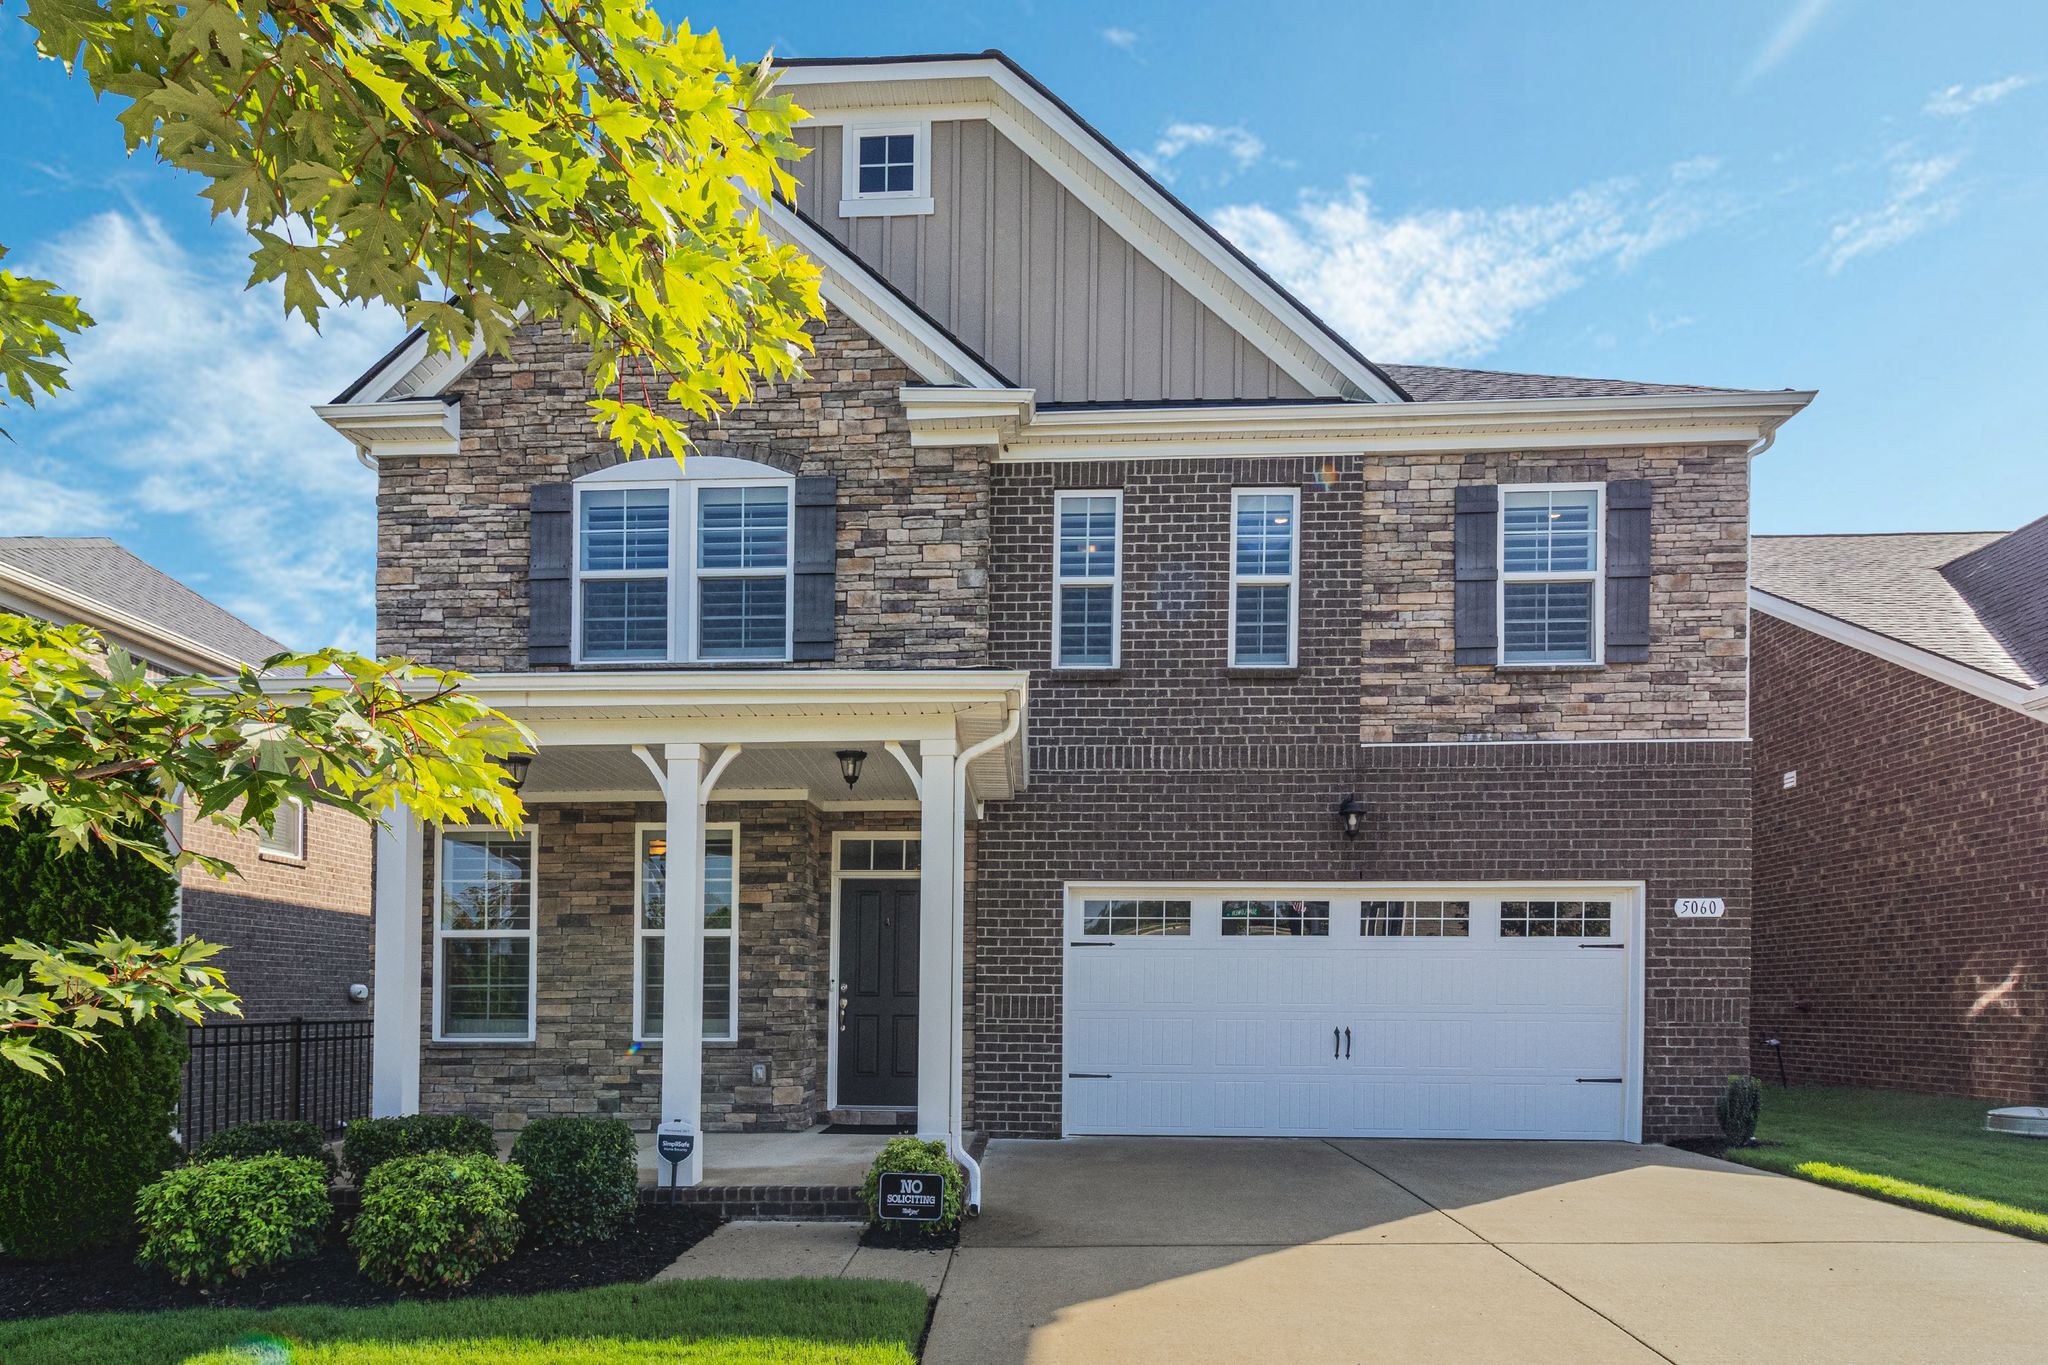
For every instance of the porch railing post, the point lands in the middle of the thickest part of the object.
(682, 961)
(395, 1005)
(937, 990)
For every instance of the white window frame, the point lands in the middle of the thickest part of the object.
(267, 851)
(1597, 576)
(681, 642)
(531, 934)
(1115, 581)
(885, 203)
(1292, 579)
(641, 933)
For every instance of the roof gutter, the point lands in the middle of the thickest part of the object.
(168, 645)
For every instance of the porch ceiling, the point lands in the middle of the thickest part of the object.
(789, 723)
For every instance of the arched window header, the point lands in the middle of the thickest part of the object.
(683, 564)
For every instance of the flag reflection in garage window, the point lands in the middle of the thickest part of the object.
(1276, 919)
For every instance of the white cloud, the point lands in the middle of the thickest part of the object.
(1960, 101)
(38, 504)
(1791, 31)
(1447, 284)
(1241, 147)
(1121, 38)
(190, 403)
(1918, 198)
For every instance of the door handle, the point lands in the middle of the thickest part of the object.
(842, 1007)
(1347, 1044)
(1333, 1041)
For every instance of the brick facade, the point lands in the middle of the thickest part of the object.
(1901, 933)
(1172, 766)
(297, 932)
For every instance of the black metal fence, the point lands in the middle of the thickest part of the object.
(316, 1069)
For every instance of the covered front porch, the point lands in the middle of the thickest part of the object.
(810, 966)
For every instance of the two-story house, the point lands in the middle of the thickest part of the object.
(1097, 699)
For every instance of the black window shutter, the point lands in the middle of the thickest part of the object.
(814, 634)
(552, 534)
(1478, 535)
(1628, 571)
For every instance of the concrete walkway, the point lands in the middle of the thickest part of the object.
(1197, 1250)
(779, 1251)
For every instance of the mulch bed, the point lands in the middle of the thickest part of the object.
(908, 1237)
(111, 1281)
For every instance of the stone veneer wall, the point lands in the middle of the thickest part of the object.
(1902, 884)
(452, 535)
(583, 1060)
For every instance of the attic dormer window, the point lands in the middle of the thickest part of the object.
(887, 170)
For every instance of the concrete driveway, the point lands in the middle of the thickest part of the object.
(1190, 1250)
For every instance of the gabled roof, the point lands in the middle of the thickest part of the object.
(1893, 586)
(97, 581)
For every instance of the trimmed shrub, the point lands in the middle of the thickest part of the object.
(271, 1137)
(584, 1178)
(437, 1221)
(225, 1219)
(910, 1155)
(1738, 1109)
(75, 1146)
(369, 1143)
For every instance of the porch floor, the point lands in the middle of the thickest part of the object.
(813, 1157)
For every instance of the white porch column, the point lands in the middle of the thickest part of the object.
(682, 970)
(395, 1007)
(938, 989)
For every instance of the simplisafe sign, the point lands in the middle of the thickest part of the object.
(675, 1147)
(1700, 907)
(911, 1197)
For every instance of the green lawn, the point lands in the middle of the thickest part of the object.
(1926, 1151)
(749, 1322)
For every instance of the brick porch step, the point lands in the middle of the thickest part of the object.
(813, 1202)
(873, 1118)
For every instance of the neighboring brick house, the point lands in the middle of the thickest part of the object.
(1901, 724)
(296, 921)
(1020, 668)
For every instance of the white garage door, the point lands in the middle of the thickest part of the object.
(1483, 1012)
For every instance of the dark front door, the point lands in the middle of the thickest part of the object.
(877, 993)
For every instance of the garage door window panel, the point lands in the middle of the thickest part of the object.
(1136, 918)
(1557, 919)
(1415, 919)
(1276, 919)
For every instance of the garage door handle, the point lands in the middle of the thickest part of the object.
(1088, 1076)
(1603, 945)
(1347, 1045)
(1600, 1080)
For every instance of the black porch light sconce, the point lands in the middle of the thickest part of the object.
(849, 765)
(516, 767)
(1351, 814)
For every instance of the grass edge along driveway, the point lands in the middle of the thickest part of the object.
(1927, 1152)
(757, 1322)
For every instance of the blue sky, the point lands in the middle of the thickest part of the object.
(1836, 194)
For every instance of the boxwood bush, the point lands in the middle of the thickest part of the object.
(222, 1220)
(369, 1143)
(908, 1154)
(437, 1221)
(584, 1178)
(271, 1137)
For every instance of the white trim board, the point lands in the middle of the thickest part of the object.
(2025, 700)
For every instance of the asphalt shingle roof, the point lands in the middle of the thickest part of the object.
(100, 569)
(1891, 584)
(1446, 384)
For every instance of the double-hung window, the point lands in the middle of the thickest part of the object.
(1550, 590)
(721, 920)
(285, 838)
(1087, 580)
(1265, 564)
(682, 570)
(484, 904)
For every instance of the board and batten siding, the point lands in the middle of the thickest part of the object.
(1024, 273)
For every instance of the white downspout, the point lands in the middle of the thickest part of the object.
(958, 824)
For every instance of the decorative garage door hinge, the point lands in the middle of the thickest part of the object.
(1088, 1076)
